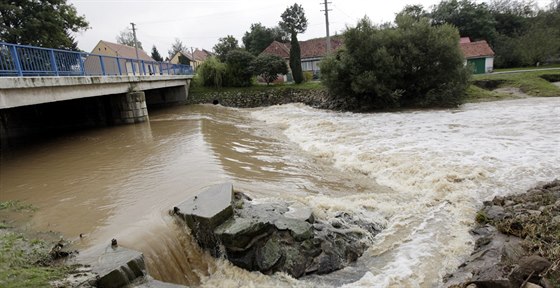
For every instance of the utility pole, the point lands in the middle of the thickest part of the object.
(135, 41)
(327, 22)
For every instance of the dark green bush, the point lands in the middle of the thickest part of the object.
(411, 64)
(211, 73)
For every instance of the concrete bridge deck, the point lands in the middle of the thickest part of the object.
(24, 91)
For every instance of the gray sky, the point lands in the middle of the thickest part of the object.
(199, 23)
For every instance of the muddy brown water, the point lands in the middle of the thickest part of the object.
(420, 173)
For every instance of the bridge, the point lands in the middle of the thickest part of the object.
(38, 84)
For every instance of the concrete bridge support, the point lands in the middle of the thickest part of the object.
(129, 108)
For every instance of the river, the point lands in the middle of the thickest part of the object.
(421, 173)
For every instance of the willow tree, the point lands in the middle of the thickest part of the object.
(294, 22)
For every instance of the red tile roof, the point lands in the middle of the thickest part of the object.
(126, 51)
(314, 48)
(201, 55)
(476, 49)
(465, 40)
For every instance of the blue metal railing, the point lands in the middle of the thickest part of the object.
(23, 61)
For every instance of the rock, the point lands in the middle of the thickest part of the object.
(532, 285)
(529, 268)
(492, 284)
(278, 236)
(556, 220)
(269, 254)
(299, 211)
(299, 229)
(206, 211)
(238, 233)
(494, 212)
(512, 250)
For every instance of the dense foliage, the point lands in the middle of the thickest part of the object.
(211, 73)
(520, 33)
(410, 64)
(259, 37)
(45, 23)
(269, 67)
(126, 37)
(238, 68)
(294, 22)
(224, 46)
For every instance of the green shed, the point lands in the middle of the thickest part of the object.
(478, 55)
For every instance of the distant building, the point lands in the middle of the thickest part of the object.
(195, 59)
(118, 50)
(312, 51)
(478, 54)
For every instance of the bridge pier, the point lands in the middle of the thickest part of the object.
(129, 108)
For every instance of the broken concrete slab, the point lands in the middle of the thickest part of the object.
(206, 211)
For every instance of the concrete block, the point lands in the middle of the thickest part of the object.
(115, 266)
(206, 211)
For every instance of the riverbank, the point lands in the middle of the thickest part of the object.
(490, 87)
(517, 241)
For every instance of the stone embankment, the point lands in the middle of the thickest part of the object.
(277, 236)
(517, 242)
(318, 98)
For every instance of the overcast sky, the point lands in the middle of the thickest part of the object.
(199, 23)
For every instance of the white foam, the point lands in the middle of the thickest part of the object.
(441, 164)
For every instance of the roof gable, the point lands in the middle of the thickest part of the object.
(126, 51)
(313, 48)
(476, 49)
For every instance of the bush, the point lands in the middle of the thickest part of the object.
(269, 66)
(238, 68)
(412, 64)
(212, 72)
(307, 76)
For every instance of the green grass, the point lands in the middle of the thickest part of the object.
(528, 68)
(530, 83)
(20, 262)
(477, 94)
(16, 205)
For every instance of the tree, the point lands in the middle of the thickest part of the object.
(269, 66)
(411, 64)
(45, 23)
(177, 46)
(258, 38)
(238, 68)
(155, 54)
(126, 37)
(473, 20)
(224, 46)
(415, 11)
(294, 22)
(212, 72)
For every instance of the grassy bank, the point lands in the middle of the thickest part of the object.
(24, 257)
(532, 83)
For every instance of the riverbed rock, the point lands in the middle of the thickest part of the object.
(513, 229)
(279, 236)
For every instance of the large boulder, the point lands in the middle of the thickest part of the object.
(279, 236)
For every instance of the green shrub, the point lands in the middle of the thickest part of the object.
(307, 76)
(269, 66)
(212, 73)
(238, 68)
(411, 64)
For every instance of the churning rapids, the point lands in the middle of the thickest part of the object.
(422, 174)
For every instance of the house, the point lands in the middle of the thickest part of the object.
(182, 58)
(195, 59)
(478, 54)
(312, 51)
(118, 50)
